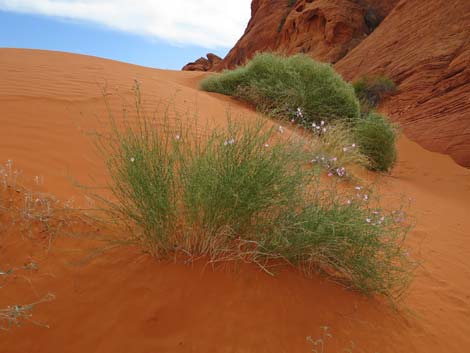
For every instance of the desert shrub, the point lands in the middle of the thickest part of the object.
(352, 242)
(371, 90)
(140, 160)
(278, 85)
(248, 192)
(376, 137)
(237, 181)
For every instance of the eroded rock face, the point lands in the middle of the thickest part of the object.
(424, 46)
(325, 29)
(203, 64)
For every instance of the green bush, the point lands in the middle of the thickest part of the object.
(371, 90)
(355, 244)
(237, 181)
(247, 192)
(376, 138)
(278, 85)
(141, 165)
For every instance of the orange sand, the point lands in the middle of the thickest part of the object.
(124, 301)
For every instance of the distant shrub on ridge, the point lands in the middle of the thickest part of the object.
(278, 85)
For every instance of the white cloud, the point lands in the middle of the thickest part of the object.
(207, 23)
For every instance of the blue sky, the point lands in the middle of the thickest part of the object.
(151, 35)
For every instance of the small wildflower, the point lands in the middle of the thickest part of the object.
(330, 174)
(366, 197)
(280, 129)
(266, 145)
(358, 188)
(132, 159)
(368, 220)
(177, 137)
(341, 171)
(322, 123)
(349, 202)
(229, 142)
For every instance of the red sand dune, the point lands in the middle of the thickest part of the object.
(124, 301)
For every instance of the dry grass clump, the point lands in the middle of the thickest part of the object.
(246, 192)
(334, 149)
(16, 315)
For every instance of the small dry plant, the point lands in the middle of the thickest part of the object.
(16, 315)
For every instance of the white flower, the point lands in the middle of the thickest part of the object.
(358, 188)
(366, 197)
(322, 123)
(177, 137)
(266, 145)
(132, 159)
(368, 220)
(280, 129)
(229, 142)
(353, 145)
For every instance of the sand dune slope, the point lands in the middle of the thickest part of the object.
(124, 301)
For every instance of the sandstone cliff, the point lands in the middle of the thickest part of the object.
(423, 45)
(325, 29)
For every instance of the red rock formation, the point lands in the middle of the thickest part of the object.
(325, 29)
(203, 64)
(423, 45)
